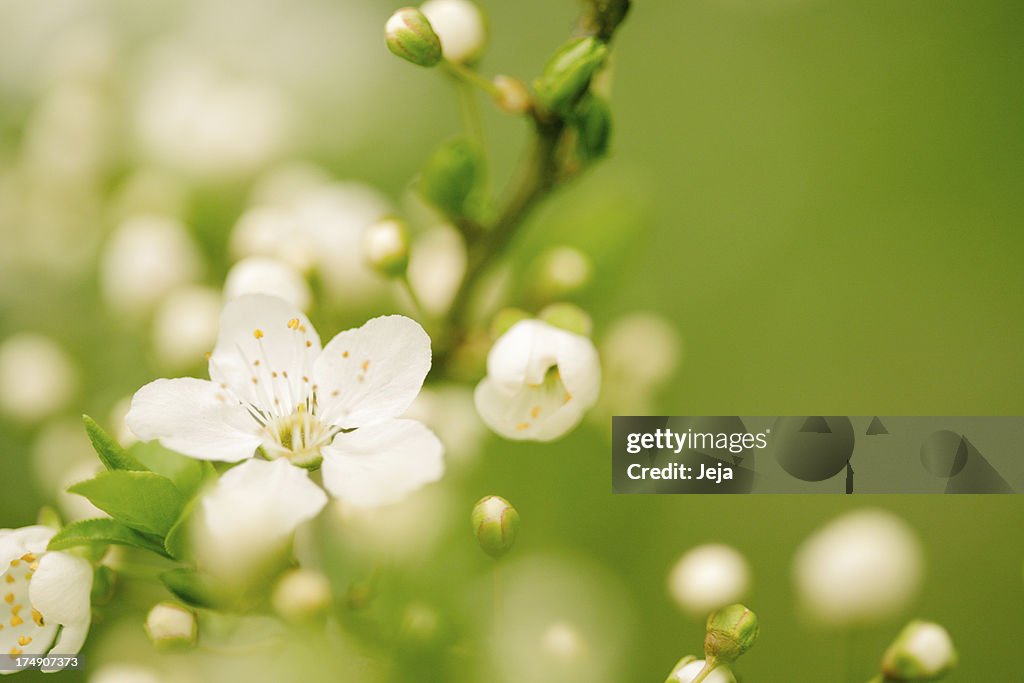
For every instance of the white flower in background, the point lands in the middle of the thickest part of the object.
(275, 390)
(118, 413)
(563, 642)
(540, 380)
(146, 257)
(688, 672)
(436, 267)
(301, 594)
(201, 122)
(171, 625)
(271, 232)
(709, 577)
(448, 410)
(261, 275)
(124, 673)
(52, 606)
(461, 27)
(247, 519)
(36, 377)
(562, 271)
(185, 326)
(62, 456)
(862, 567)
(640, 351)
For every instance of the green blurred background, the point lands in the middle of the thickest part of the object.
(823, 197)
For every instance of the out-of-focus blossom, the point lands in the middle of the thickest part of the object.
(62, 456)
(562, 271)
(274, 389)
(540, 381)
(50, 612)
(261, 275)
(563, 642)
(436, 267)
(193, 119)
(461, 26)
(301, 594)
(170, 625)
(118, 413)
(709, 577)
(124, 673)
(145, 258)
(245, 523)
(272, 232)
(386, 246)
(36, 377)
(185, 326)
(149, 191)
(448, 410)
(862, 567)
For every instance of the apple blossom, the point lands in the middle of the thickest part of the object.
(461, 27)
(262, 275)
(540, 380)
(36, 376)
(709, 577)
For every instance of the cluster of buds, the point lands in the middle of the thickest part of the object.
(731, 631)
(450, 30)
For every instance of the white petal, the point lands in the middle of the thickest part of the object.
(373, 373)
(528, 413)
(263, 338)
(60, 591)
(194, 417)
(28, 539)
(262, 275)
(381, 464)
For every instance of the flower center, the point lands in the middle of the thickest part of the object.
(297, 437)
(19, 623)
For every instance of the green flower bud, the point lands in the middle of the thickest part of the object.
(301, 594)
(569, 317)
(923, 651)
(496, 524)
(386, 246)
(451, 176)
(171, 626)
(567, 74)
(410, 36)
(505, 319)
(593, 122)
(730, 632)
(513, 96)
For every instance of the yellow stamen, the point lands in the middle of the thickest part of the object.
(366, 365)
(16, 610)
(9, 598)
(9, 579)
(534, 412)
(522, 425)
(38, 618)
(344, 354)
(15, 563)
(258, 333)
(16, 651)
(28, 557)
(25, 640)
(16, 620)
(293, 324)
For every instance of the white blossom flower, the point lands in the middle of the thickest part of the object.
(689, 672)
(922, 651)
(261, 275)
(275, 390)
(247, 519)
(461, 27)
(863, 567)
(36, 376)
(437, 265)
(301, 594)
(185, 325)
(53, 606)
(709, 577)
(540, 380)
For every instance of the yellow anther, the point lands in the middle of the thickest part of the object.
(293, 324)
(361, 378)
(336, 392)
(366, 365)
(16, 620)
(25, 640)
(38, 618)
(34, 566)
(522, 425)
(15, 563)
(273, 373)
(256, 363)
(284, 373)
(28, 557)
(16, 610)
(568, 397)
(308, 343)
(305, 379)
(534, 412)
(258, 333)
(302, 328)
(344, 354)
(9, 598)
(208, 355)
(16, 651)
(9, 578)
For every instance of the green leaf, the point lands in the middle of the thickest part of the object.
(145, 501)
(110, 452)
(451, 177)
(186, 473)
(177, 542)
(92, 532)
(193, 588)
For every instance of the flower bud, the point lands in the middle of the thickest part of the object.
(410, 36)
(496, 524)
(923, 651)
(513, 96)
(689, 668)
(561, 271)
(451, 176)
(301, 594)
(569, 317)
(170, 626)
(709, 577)
(386, 246)
(461, 27)
(730, 632)
(593, 122)
(567, 74)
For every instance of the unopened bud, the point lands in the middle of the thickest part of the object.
(561, 271)
(496, 524)
(593, 121)
(301, 594)
(569, 317)
(923, 651)
(513, 96)
(171, 626)
(386, 246)
(731, 631)
(567, 74)
(461, 27)
(410, 36)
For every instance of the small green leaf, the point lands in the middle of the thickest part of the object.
(451, 177)
(110, 452)
(188, 474)
(177, 543)
(91, 532)
(145, 501)
(193, 588)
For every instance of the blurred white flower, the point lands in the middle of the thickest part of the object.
(193, 119)
(62, 456)
(170, 625)
(862, 567)
(688, 672)
(53, 606)
(301, 594)
(121, 432)
(146, 257)
(563, 642)
(247, 519)
(709, 577)
(261, 275)
(639, 352)
(461, 27)
(36, 377)
(448, 410)
(273, 389)
(272, 232)
(185, 326)
(436, 266)
(540, 381)
(562, 271)
(124, 673)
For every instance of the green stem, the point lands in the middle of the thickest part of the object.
(417, 305)
(709, 666)
(467, 75)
